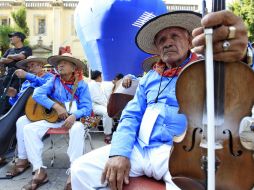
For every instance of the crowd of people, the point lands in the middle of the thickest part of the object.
(148, 124)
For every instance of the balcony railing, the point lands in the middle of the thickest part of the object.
(4, 4)
(70, 4)
(31, 4)
(182, 7)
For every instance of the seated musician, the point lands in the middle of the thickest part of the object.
(68, 94)
(144, 136)
(30, 69)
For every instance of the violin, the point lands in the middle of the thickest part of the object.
(233, 100)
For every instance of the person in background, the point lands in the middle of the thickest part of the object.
(31, 69)
(69, 95)
(100, 101)
(150, 121)
(117, 78)
(9, 60)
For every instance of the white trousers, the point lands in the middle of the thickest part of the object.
(86, 171)
(30, 145)
(107, 121)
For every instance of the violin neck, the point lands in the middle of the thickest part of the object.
(218, 5)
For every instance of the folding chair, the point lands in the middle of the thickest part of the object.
(53, 132)
(63, 131)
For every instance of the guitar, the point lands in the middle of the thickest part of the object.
(36, 112)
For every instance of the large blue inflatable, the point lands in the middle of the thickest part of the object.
(107, 29)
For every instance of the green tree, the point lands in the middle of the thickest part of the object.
(4, 39)
(245, 9)
(20, 19)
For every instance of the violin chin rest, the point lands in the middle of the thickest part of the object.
(186, 183)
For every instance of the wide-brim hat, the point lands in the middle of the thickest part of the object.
(187, 20)
(54, 60)
(149, 62)
(23, 63)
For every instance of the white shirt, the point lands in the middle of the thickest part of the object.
(97, 93)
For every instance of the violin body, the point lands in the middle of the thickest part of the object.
(234, 163)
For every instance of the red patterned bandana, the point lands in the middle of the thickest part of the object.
(160, 66)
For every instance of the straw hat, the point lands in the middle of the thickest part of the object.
(149, 62)
(23, 63)
(54, 60)
(188, 20)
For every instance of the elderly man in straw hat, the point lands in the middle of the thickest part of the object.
(30, 69)
(71, 102)
(149, 123)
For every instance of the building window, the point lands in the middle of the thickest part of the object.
(4, 21)
(40, 25)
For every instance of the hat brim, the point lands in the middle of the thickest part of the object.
(54, 60)
(188, 20)
(149, 62)
(23, 63)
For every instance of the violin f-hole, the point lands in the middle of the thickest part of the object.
(192, 139)
(238, 152)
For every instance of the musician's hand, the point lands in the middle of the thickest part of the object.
(11, 92)
(69, 121)
(61, 111)
(222, 20)
(20, 73)
(116, 172)
(126, 83)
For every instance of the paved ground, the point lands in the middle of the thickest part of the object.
(56, 174)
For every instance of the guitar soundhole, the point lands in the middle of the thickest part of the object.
(48, 111)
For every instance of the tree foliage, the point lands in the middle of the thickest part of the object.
(20, 19)
(245, 9)
(4, 39)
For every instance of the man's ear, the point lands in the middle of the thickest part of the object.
(190, 41)
(74, 68)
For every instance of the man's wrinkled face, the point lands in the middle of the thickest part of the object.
(34, 67)
(65, 67)
(173, 45)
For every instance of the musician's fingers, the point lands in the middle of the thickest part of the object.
(220, 33)
(234, 45)
(112, 179)
(63, 116)
(104, 175)
(197, 31)
(199, 40)
(229, 56)
(199, 49)
(219, 18)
